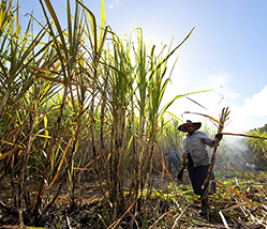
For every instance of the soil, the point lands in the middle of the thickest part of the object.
(90, 212)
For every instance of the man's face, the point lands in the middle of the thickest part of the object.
(189, 128)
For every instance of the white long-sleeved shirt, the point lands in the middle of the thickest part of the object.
(195, 144)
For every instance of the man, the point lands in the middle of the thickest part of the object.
(198, 161)
(174, 160)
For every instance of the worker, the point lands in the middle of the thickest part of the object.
(174, 160)
(197, 160)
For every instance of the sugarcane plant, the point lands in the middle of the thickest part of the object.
(120, 79)
(151, 84)
(224, 117)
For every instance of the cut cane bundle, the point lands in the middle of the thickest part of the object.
(223, 118)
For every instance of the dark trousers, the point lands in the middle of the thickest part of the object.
(197, 176)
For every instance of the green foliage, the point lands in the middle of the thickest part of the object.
(258, 148)
(261, 129)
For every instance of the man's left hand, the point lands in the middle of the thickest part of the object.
(219, 136)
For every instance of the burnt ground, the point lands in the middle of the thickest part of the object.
(90, 212)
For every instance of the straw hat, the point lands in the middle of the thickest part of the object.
(182, 126)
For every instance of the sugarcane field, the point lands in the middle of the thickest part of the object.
(88, 141)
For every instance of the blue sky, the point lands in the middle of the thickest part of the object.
(228, 48)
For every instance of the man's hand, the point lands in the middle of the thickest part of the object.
(184, 160)
(219, 136)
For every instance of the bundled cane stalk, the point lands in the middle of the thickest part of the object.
(223, 118)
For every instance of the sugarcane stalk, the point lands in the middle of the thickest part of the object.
(245, 135)
(223, 118)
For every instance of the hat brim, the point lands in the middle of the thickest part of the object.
(182, 126)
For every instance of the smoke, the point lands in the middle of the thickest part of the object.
(234, 152)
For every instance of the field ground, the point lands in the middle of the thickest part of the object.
(165, 208)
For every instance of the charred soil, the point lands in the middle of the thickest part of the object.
(89, 209)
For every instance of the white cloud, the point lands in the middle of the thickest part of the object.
(210, 101)
(252, 109)
(245, 116)
(233, 95)
(114, 3)
(257, 104)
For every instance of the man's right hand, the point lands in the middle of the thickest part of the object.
(184, 160)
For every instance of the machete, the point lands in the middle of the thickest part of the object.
(180, 174)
